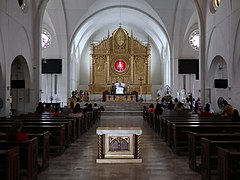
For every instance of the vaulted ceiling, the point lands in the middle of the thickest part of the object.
(160, 20)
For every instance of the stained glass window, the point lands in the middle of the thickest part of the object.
(22, 4)
(194, 39)
(46, 39)
(217, 3)
(214, 5)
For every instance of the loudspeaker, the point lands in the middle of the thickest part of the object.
(220, 83)
(17, 83)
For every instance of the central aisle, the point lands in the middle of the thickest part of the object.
(79, 160)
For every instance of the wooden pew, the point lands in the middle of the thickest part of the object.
(180, 133)
(70, 127)
(196, 120)
(89, 119)
(145, 111)
(194, 145)
(57, 135)
(83, 122)
(209, 155)
(9, 166)
(96, 115)
(40, 123)
(170, 124)
(70, 124)
(79, 124)
(228, 164)
(173, 116)
(28, 153)
(43, 148)
(152, 119)
(164, 123)
(86, 122)
(72, 135)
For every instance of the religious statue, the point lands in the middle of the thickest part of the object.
(120, 66)
(167, 93)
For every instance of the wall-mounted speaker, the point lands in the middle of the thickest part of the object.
(220, 83)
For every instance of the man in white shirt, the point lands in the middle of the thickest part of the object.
(117, 84)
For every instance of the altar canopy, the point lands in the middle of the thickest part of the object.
(120, 58)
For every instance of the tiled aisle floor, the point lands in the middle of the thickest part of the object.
(79, 160)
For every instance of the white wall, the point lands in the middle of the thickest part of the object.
(16, 32)
(222, 39)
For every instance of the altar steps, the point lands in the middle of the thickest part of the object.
(122, 109)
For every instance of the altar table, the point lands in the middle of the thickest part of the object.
(119, 145)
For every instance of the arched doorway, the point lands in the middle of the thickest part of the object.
(20, 81)
(217, 71)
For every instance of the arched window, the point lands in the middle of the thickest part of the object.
(46, 38)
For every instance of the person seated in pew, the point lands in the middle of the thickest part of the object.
(163, 103)
(40, 108)
(57, 111)
(175, 103)
(77, 109)
(89, 108)
(206, 112)
(151, 107)
(95, 106)
(102, 108)
(227, 109)
(48, 108)
(170, 106)
(235, 116)
(187, 104)
(159, 109)
(197, 106)
(85, 106)
(15, 133)
(179, 106)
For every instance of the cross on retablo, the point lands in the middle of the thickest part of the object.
(141, 80)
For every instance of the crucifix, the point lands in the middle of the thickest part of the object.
(140, 79)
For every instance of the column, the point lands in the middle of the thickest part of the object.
(132, 69)
(91, 69)
(100, 146)
(108, 69)
(137, 147)
(148, 70)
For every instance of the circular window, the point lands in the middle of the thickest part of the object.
(22, 4)
(120, 65)
(214, 4)
(46, 39)
(194, 39)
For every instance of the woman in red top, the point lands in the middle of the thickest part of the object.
(206, 111)
(15, 133)
(151, 107)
